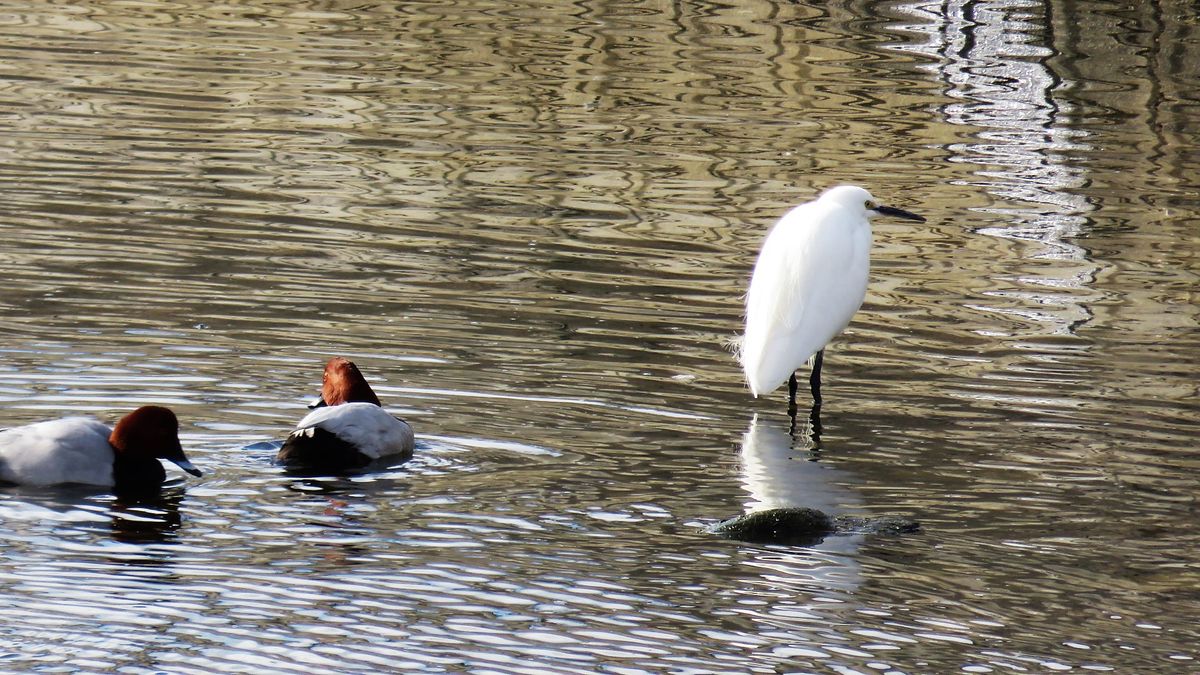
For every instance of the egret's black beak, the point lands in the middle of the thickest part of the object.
(320, 402)
(899, 213)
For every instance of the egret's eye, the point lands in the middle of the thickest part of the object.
(870, 204)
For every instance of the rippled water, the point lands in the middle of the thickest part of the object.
(530, 224)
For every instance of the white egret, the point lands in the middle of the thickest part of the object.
(810, 279)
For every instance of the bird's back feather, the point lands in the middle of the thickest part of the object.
(68, 450)
(366, 427)
(809, 280)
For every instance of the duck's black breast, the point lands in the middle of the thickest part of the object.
(141, 474)
(316, 448)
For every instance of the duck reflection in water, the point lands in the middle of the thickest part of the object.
(147, 519)
(79, 513)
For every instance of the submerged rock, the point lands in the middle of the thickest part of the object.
(793, 525)
(884, 525)
(802, 526)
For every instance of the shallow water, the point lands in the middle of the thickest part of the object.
(530, 225)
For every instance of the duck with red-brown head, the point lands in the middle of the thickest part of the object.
(343, 382)
(140, 439)
(349, 429)
(84, 451)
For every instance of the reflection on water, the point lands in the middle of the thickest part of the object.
(992, 59)
(778, 474)
(534, 221)
(148, 520)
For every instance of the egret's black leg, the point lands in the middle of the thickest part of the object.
(815, 379)
(792, 387)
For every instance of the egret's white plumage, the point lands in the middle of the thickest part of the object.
(810, 279)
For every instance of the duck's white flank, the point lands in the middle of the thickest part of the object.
(366, 426)
(68, 450)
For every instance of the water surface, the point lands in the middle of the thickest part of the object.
(531, 224)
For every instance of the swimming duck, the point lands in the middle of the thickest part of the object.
(348, 429)
(85, 451)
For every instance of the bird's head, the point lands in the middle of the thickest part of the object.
(150, 431)
(344, 383)
(858, 201)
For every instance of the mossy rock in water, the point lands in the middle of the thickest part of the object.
(802, 526)
(793, 525)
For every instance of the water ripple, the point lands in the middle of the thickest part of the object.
(531, 224)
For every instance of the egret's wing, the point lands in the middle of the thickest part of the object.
(794, 305)
(782, 278)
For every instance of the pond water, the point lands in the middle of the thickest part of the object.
(531, 224)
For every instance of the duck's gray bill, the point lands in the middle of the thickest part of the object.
(187, 466)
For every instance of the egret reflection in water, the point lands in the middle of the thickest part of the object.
(778, 474)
